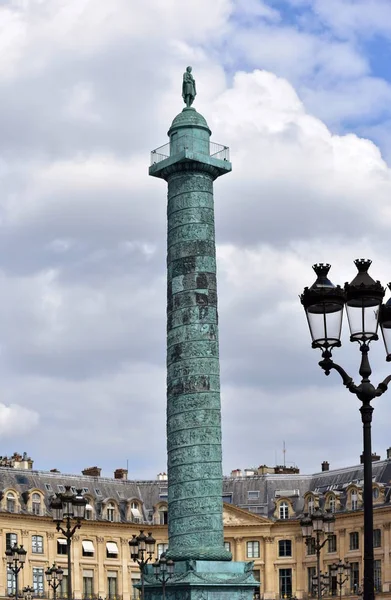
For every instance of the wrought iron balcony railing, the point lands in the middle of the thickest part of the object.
(187, 142)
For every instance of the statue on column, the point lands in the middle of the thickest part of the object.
(188, 87)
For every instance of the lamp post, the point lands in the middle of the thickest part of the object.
(28, 592)
(54, 577)
(68, 507)
(16, 558)
(142, 548)
(323, 303)
(339, 569)
(318, 523)
(163, 570)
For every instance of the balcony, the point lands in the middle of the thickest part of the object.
(192, 144)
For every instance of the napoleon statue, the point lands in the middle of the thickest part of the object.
(188, 87)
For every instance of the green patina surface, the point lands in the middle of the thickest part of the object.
(193, 381)
(203, 570)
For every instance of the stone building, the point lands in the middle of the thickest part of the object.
(262, 509)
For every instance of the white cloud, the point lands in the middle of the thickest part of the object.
(16, 420)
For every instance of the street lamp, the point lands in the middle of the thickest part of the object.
(141, 546)
(317, 523)
(323, 303)
(339, 569)
(16, 558)
(163, 570)
(68, 506)
(54, 577)
(28, 592)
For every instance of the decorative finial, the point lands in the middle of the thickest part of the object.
(188, 88)
(362, 264)
(321, 269)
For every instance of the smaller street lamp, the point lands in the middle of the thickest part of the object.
(324, 582)
(16, 558)
(28, 592)
(342, 572)
(163, 570)
(142, 547)
(318, 523)
(54, 576)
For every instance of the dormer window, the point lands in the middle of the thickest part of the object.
(311, 505)
(354, 500)
(135, 512)
(89, 512)
(36, 504)
(283, 510)
(110, 511)
(332, 504)
(11, 502)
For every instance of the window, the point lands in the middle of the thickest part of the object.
(73, 489)
(61, 546)
(136, 515)
(375, 493)
(377, 538)
(253, 495)
(111, 550)
(36, 504)
(252, 549)
(311, 584)
(135, 592)
(227, 498)
(311, 505)
(98, 492)
(163, 515)
(285, 548)
(63, 587)
(10, 540)
(354, 577)
(37, 544)
(333, 585)
(61, 488)
(354, 500)
(87, 548)
(283, 510)
(332, 543)
(332, 504)
(38, 580)
(89, 512)
(11, 503)
(161, 548)
(227, 546)
(111, 584)
(48, 487)
(85, 490)
(310, 542)
(110, 511)
(285, 580)
(88, 583)
(354, 542)
(11, 583)
(377, 575)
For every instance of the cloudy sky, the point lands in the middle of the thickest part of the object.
(301, 92)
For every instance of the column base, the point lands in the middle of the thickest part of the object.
(204, 580)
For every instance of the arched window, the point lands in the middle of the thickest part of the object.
(89, 512)
(332, 503)
(375, 493)
(11, 502)
(135, 513)
(283, 510)
(163, 515)
(110, 511)
(354, 500)
(311, 505)
(36, 504)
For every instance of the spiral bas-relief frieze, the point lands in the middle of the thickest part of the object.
(193, 380)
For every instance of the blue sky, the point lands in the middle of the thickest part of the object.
(300, 91)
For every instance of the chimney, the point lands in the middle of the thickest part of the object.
(92, 471)
(236, 473)
(162, 477)
(375, 457)
(121, 474)
(325, 466)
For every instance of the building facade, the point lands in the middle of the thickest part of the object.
(262, 509)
